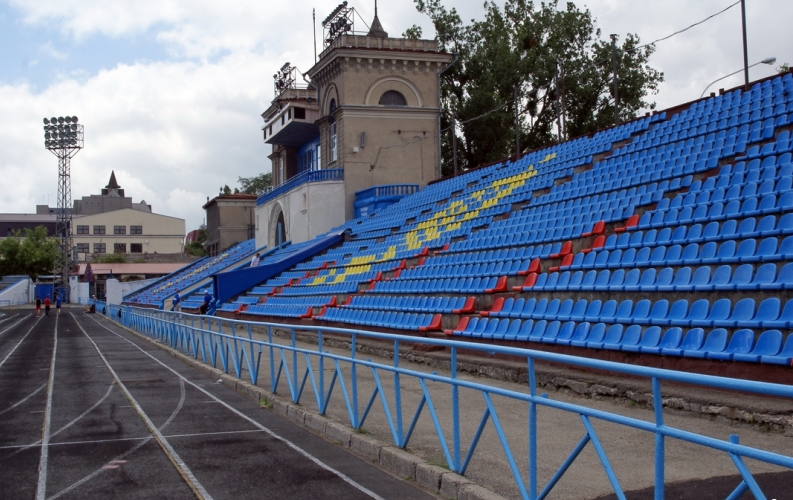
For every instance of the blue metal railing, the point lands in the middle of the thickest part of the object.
(386, 190)
(194, 336)
(333, 174)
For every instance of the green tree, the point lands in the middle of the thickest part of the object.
(32, 254)
(112, 258)
(256, 185)
(196, 247)
(553, 56)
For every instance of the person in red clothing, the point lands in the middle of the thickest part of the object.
(38, 306)
(47, 305)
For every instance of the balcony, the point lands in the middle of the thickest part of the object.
(292, 125)
(334, 174)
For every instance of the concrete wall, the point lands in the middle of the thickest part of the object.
(18, 293)
(309, 210)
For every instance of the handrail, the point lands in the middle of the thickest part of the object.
(331, 174)
(194, 336)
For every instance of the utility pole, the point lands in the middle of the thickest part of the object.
(745, 50)
(614, 70)
(454, 141)
(517, 121)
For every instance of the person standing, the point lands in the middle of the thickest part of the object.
(177, 302)
(58, 302)
(47, 305)
(207, 300)
(38, 306)
(255, 260)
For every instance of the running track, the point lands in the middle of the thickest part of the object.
(89, 410)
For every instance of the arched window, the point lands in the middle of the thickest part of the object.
(334, 155)
(392, 98)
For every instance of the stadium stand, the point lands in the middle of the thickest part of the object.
(671, 235)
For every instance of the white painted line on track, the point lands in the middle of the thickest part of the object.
(2, 362)
(142, 442)
(18, 322)
(41, 489)
(269, 431)
(181, 466)
(42, 386)
(119, 440)
(86, 412)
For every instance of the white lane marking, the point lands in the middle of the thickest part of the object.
(269, 431)
(181, 466)
(41, 489)
(142, 442)
(42, 386)
(15, 324)
(86, 412)
(8, 318)
(118, 440)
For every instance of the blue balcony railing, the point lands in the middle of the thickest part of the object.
(334, 174)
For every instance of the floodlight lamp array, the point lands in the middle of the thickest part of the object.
(339, 22)
(285, 78)
(62, 133)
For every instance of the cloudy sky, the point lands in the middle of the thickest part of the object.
(171, 91)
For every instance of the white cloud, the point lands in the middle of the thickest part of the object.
(176, 130)
(51, 51)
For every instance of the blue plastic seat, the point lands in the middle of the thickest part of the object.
(742, 341)
(769, 343)
(671, 339)
(715, 342)
(612, 339)
(650, 338)
(783, 281)
(719, 310)
(784, 357)
(692, 341)
(742, 312)
(579, 333)
(631, 337)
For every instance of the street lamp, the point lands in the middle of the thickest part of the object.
(767, 60)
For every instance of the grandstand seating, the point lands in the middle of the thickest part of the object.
(671, 235)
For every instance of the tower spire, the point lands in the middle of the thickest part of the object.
(377, 29)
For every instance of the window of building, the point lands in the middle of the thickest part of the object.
(136, 248)
(300, 114)
(99, 229)
(393, 98)
(334, 152)
(83, 248)
(100, 248)
(135, 229)
(82, 229)
(119, 229)
(333, 142)
(119, 248)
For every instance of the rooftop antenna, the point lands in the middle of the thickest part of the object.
(314, 19)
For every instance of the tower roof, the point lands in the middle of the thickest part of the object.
(112, 184)
(377, 29)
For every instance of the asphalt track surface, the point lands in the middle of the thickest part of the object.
(90, 410)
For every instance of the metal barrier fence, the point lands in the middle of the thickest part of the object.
(239, 353)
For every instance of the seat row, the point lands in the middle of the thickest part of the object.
(700, 313)
(414, 303)
(770, 346)
(382, 319)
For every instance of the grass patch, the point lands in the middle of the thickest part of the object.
(263, 403)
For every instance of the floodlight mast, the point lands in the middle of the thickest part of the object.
(64, 138)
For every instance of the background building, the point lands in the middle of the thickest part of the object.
(127, 231)
(230, 220)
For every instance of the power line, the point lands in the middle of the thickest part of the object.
(689, 27)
